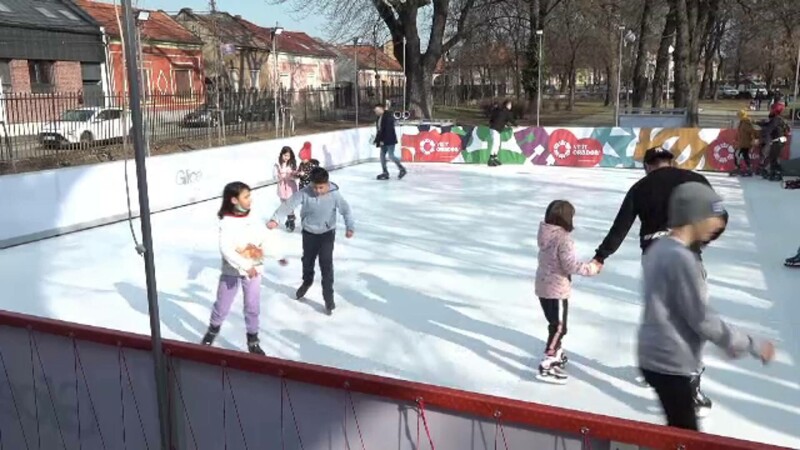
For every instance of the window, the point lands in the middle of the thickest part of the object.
(110, 114)
(4, 8)
(183, 82)
(311, 81)
(46, 12)
(147, 83)
(255, 75)
(286, 82)
(41, 73)
(234, 74)
(68, 14)
(5, 75)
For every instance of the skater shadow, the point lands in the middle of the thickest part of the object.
(311, 351)
(436, 317)
(174, 317)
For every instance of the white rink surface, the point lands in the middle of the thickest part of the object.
(437, 287)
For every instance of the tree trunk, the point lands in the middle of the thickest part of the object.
(530, 73)
(610, 89)
(663, 58)
(640, 67)
(572, 82)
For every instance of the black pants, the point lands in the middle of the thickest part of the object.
(772, 162)
(676, 394)
(555, 311)
(319, 245)
(743, 156)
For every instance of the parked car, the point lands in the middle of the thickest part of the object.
(727, 92)
(207, 116)
(752, 89)
(86, 126)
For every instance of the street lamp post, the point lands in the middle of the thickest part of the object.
(796, 80)
(146, 249)
(619, 78)
(275, 33)
(355, 84)
(539, 33)
(405, 76)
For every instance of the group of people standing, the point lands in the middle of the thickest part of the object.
(680, 214)
(774, 133)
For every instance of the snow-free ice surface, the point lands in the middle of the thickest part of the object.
(437, 287)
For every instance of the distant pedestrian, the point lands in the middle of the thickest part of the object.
(500, 118)
(386, 140)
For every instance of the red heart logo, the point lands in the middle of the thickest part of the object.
(561, 146)
(588, 152)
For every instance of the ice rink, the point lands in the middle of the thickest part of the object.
(437, 287)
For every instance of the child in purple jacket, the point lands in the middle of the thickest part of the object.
(557, 264)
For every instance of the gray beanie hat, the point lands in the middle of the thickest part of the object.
(692, 203)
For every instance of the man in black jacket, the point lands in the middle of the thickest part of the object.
(386, 139)
(648, 200)
(499, 119)
(773, 139)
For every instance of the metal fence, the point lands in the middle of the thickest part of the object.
(44, 125)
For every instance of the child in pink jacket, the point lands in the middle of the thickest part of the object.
(557, 264)
(285, 171)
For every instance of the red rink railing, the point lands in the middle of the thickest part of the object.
(518, 413)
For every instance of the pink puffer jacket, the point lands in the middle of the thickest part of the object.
(557, 262)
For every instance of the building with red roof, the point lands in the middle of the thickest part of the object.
(172, 58)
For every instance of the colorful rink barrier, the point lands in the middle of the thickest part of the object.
(65, 385)
(694, 148)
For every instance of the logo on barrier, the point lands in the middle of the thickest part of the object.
(427, 146)
(721, 153)
(562, 149)
(185, 177)
(588, 152)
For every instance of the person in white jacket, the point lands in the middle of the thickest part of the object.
(244, 242)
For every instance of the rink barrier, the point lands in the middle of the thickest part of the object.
(708, 149)
(198, 368)
(39, 205)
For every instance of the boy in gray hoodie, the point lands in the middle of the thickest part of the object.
(677, 321)
(320, 202)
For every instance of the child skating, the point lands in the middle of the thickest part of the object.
(557, 264)
(307, 164)
(243, 244)
(285, 171)
(320, 201)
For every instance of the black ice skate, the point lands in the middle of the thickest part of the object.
(210, 335)
(794, 261)
(702, 403)
(254, 345)
(776, 176)
(791, 184)
(553, 374)
(301, 291)
(401, 174)
(290, 225)
(329, 304)
(383, 176)
(494, 161)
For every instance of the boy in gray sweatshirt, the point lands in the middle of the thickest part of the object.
(320, 202)
(677, 321)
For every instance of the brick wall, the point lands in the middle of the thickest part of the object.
(21, 106)
(67, 76)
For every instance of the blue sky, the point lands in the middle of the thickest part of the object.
(257, 11)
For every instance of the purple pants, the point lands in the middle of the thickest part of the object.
(226, 292)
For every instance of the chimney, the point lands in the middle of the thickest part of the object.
(238, 17)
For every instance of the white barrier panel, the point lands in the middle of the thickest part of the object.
(41, 204)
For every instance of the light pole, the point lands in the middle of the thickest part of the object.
(275, 33)
(355, 84)
(405, 76)
(539, 33)
(619, 78)
(146, 249)
(796, 80)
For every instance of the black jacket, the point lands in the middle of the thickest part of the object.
(500, 118)
(385, 132)
(770, 129)
(648, 200)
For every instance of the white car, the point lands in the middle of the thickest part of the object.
(86, 126)
(728, 92)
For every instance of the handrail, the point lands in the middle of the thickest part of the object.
(513, 411)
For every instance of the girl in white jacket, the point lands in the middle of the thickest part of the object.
(243, 243)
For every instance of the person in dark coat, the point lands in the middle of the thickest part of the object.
(386, 140)
(648, 200)
(499, 119)
(773, 139)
